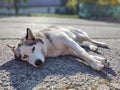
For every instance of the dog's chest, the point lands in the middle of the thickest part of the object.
(54, 50)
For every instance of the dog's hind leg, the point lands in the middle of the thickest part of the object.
(90, 47)
(84, 37)
(99, 44)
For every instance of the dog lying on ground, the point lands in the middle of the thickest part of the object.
(58, 41)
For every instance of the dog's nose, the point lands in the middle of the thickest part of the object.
(38, 62)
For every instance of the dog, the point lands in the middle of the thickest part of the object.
(58, 41)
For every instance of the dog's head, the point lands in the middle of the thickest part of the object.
(31, 49)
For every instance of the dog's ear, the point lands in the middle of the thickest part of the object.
(11, 47)
(29, 34)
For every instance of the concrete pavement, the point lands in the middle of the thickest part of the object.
(101, 29)
(60, 73)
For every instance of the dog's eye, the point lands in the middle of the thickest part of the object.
(33, 49)
(25, 56)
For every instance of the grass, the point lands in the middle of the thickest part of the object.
(42, 15)
(55, 15)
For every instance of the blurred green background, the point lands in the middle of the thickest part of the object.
(97, 9)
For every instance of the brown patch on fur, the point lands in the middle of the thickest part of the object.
(48, 37)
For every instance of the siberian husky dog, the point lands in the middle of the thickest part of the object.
(58, 41)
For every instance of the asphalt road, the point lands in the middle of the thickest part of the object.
(60, 73)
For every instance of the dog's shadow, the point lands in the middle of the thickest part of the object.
(25, 77)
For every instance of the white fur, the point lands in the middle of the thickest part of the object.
(61, 41)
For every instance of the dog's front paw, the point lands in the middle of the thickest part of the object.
(103, 61)
(97, 65)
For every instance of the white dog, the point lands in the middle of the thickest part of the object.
(55, 41)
